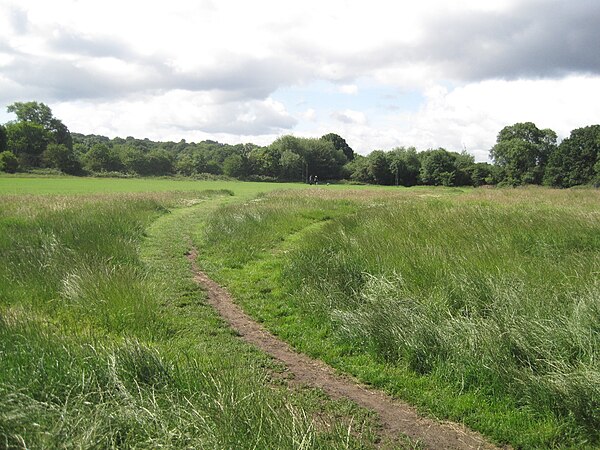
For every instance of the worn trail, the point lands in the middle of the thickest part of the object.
(396, 417)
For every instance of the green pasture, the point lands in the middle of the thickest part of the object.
(476, 305)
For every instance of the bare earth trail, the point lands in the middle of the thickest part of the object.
(396, 417)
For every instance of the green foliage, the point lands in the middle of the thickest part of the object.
(438, 168)
(573, 162)
(33, 131)
(58, 156)
(340, 144)
(3, 139)
(27, 140)
(522, 150)
(8, 162)
(101, 158)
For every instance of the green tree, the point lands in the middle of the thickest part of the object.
(3, 139)
(358, 169)
(574, 160)
(27, 140)
(134, 160)
(265, 160)
(33, 130)
(405, 166)
(58, 156)
(101, 158)
(233, 166)
(291, 166)
(340, 144)
(158, 162)
(438, 168)
(522, 150)
(8, 162)
(380, 167)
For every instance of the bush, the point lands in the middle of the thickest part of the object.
(8, 162)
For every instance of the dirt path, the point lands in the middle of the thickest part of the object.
(396, 417)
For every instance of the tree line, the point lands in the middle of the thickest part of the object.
(523, 154)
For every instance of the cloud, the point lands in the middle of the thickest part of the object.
(176, 114)
(349, 117)
(348, 89)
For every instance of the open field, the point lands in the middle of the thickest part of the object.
(106, 342)
(479, 306)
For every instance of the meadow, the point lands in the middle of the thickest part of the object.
(106, 342)
(476, 305)
(479, 306)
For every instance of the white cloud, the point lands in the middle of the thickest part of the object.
(350, 89)
(208, 69)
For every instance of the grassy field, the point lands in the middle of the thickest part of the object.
(106, 342)
(478, 306)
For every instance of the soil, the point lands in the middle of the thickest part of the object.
(397, 418)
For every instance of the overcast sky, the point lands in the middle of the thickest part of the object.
(428, 73)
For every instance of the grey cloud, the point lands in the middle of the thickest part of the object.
(537, 39)
(342, 117)
(69, 42)
(235, 78)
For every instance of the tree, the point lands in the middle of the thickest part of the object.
(8, 162)
(574, 160)
(3, 139)
(233, 166)
(58, 156)
(134, 160)
(340, 144)
(27, 140)
(33, 130)
(522, 150)
(158, 162)
(291, 166)
(380, 168)
(405, 166)
(101, 158)
(438, 168)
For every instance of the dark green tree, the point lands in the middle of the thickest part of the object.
(234, 166)
(58, 156)
(34, 129)
(380, 168)
(405, 166)
(8, 162)
(522, 150)
(340, 144)
(158, 162)
(101, 158)
(3, 139)
(27, 140)
(573, 161)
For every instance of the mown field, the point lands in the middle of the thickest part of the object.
(479, 306)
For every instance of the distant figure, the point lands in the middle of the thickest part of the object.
(316, 180)
(310, 179)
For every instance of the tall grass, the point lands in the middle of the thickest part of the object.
(488, 294)
(101, 348)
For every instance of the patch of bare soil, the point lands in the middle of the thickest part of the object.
(396, 417)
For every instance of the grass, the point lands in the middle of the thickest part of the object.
(479, 306)
(106, 342)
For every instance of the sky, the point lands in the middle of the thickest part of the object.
(382, 74)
